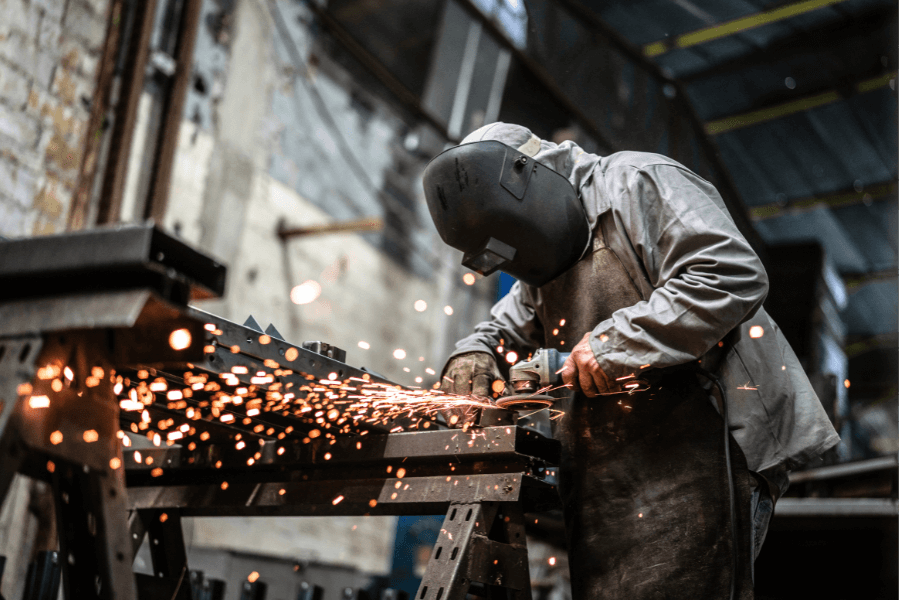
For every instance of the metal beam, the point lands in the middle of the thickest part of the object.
(714, 32)
(809, 102)
(878, 192)
(836, 507)
(365, 224)
(99, 105)
(856, 281)
(857, 345)
(847, 469)
(164, 161)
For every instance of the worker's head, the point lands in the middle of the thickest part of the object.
(505, 198)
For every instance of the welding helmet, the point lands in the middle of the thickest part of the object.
(505, 211)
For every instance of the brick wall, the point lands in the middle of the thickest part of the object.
(49, 54)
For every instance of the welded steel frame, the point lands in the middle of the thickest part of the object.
(55, 345)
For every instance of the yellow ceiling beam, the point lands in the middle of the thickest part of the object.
(686, 40)
(778, 111)
(871, 192)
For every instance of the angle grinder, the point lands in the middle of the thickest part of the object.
(528, 376)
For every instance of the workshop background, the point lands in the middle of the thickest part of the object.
(287, 139)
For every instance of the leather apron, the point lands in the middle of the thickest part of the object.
(642, 476)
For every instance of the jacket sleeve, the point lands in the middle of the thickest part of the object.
(513, 324)
(706, 277)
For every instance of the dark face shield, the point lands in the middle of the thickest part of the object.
(505, 211)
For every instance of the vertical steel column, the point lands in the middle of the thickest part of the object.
(479, 543)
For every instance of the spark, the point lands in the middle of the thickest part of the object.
(306, 292)
(91, 436)
(252, 576)
(337, 500)
(562, 322)
(448, 310)
(48, 372)
(39, 402)
(69, 374)
(56, 438)
(756, 331)
(420, 305)
(551, 561)
(430, 371)
(363, 345)
(511, 357)
(115, 462)
(51, 466)
(846, 383)
(180, 339)
(291, 354)
(399, 353)
(418, 380)
(640, 515)
(56, 385)
(469, 279)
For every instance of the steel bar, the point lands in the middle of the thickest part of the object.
(383, 496)
(121, 257)
(167, 140)
(836, 507)
(881, 463)
(365, 224)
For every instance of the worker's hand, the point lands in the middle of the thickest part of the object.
(582, 372)
(475, 374)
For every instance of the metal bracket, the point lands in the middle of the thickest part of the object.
(480, 543)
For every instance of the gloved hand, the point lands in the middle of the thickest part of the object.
(473, 373)
(582, 371)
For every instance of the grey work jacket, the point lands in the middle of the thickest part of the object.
(699, 280)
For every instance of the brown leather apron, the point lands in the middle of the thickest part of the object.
(642, 476)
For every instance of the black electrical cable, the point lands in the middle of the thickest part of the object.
(732, 505)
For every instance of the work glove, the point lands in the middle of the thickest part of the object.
(472, 373)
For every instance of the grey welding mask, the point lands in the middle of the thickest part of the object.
(505, 211)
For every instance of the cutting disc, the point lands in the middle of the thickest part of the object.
(525, 402)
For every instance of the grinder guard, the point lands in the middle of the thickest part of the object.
(505, 211)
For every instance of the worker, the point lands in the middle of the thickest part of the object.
(633, 264)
